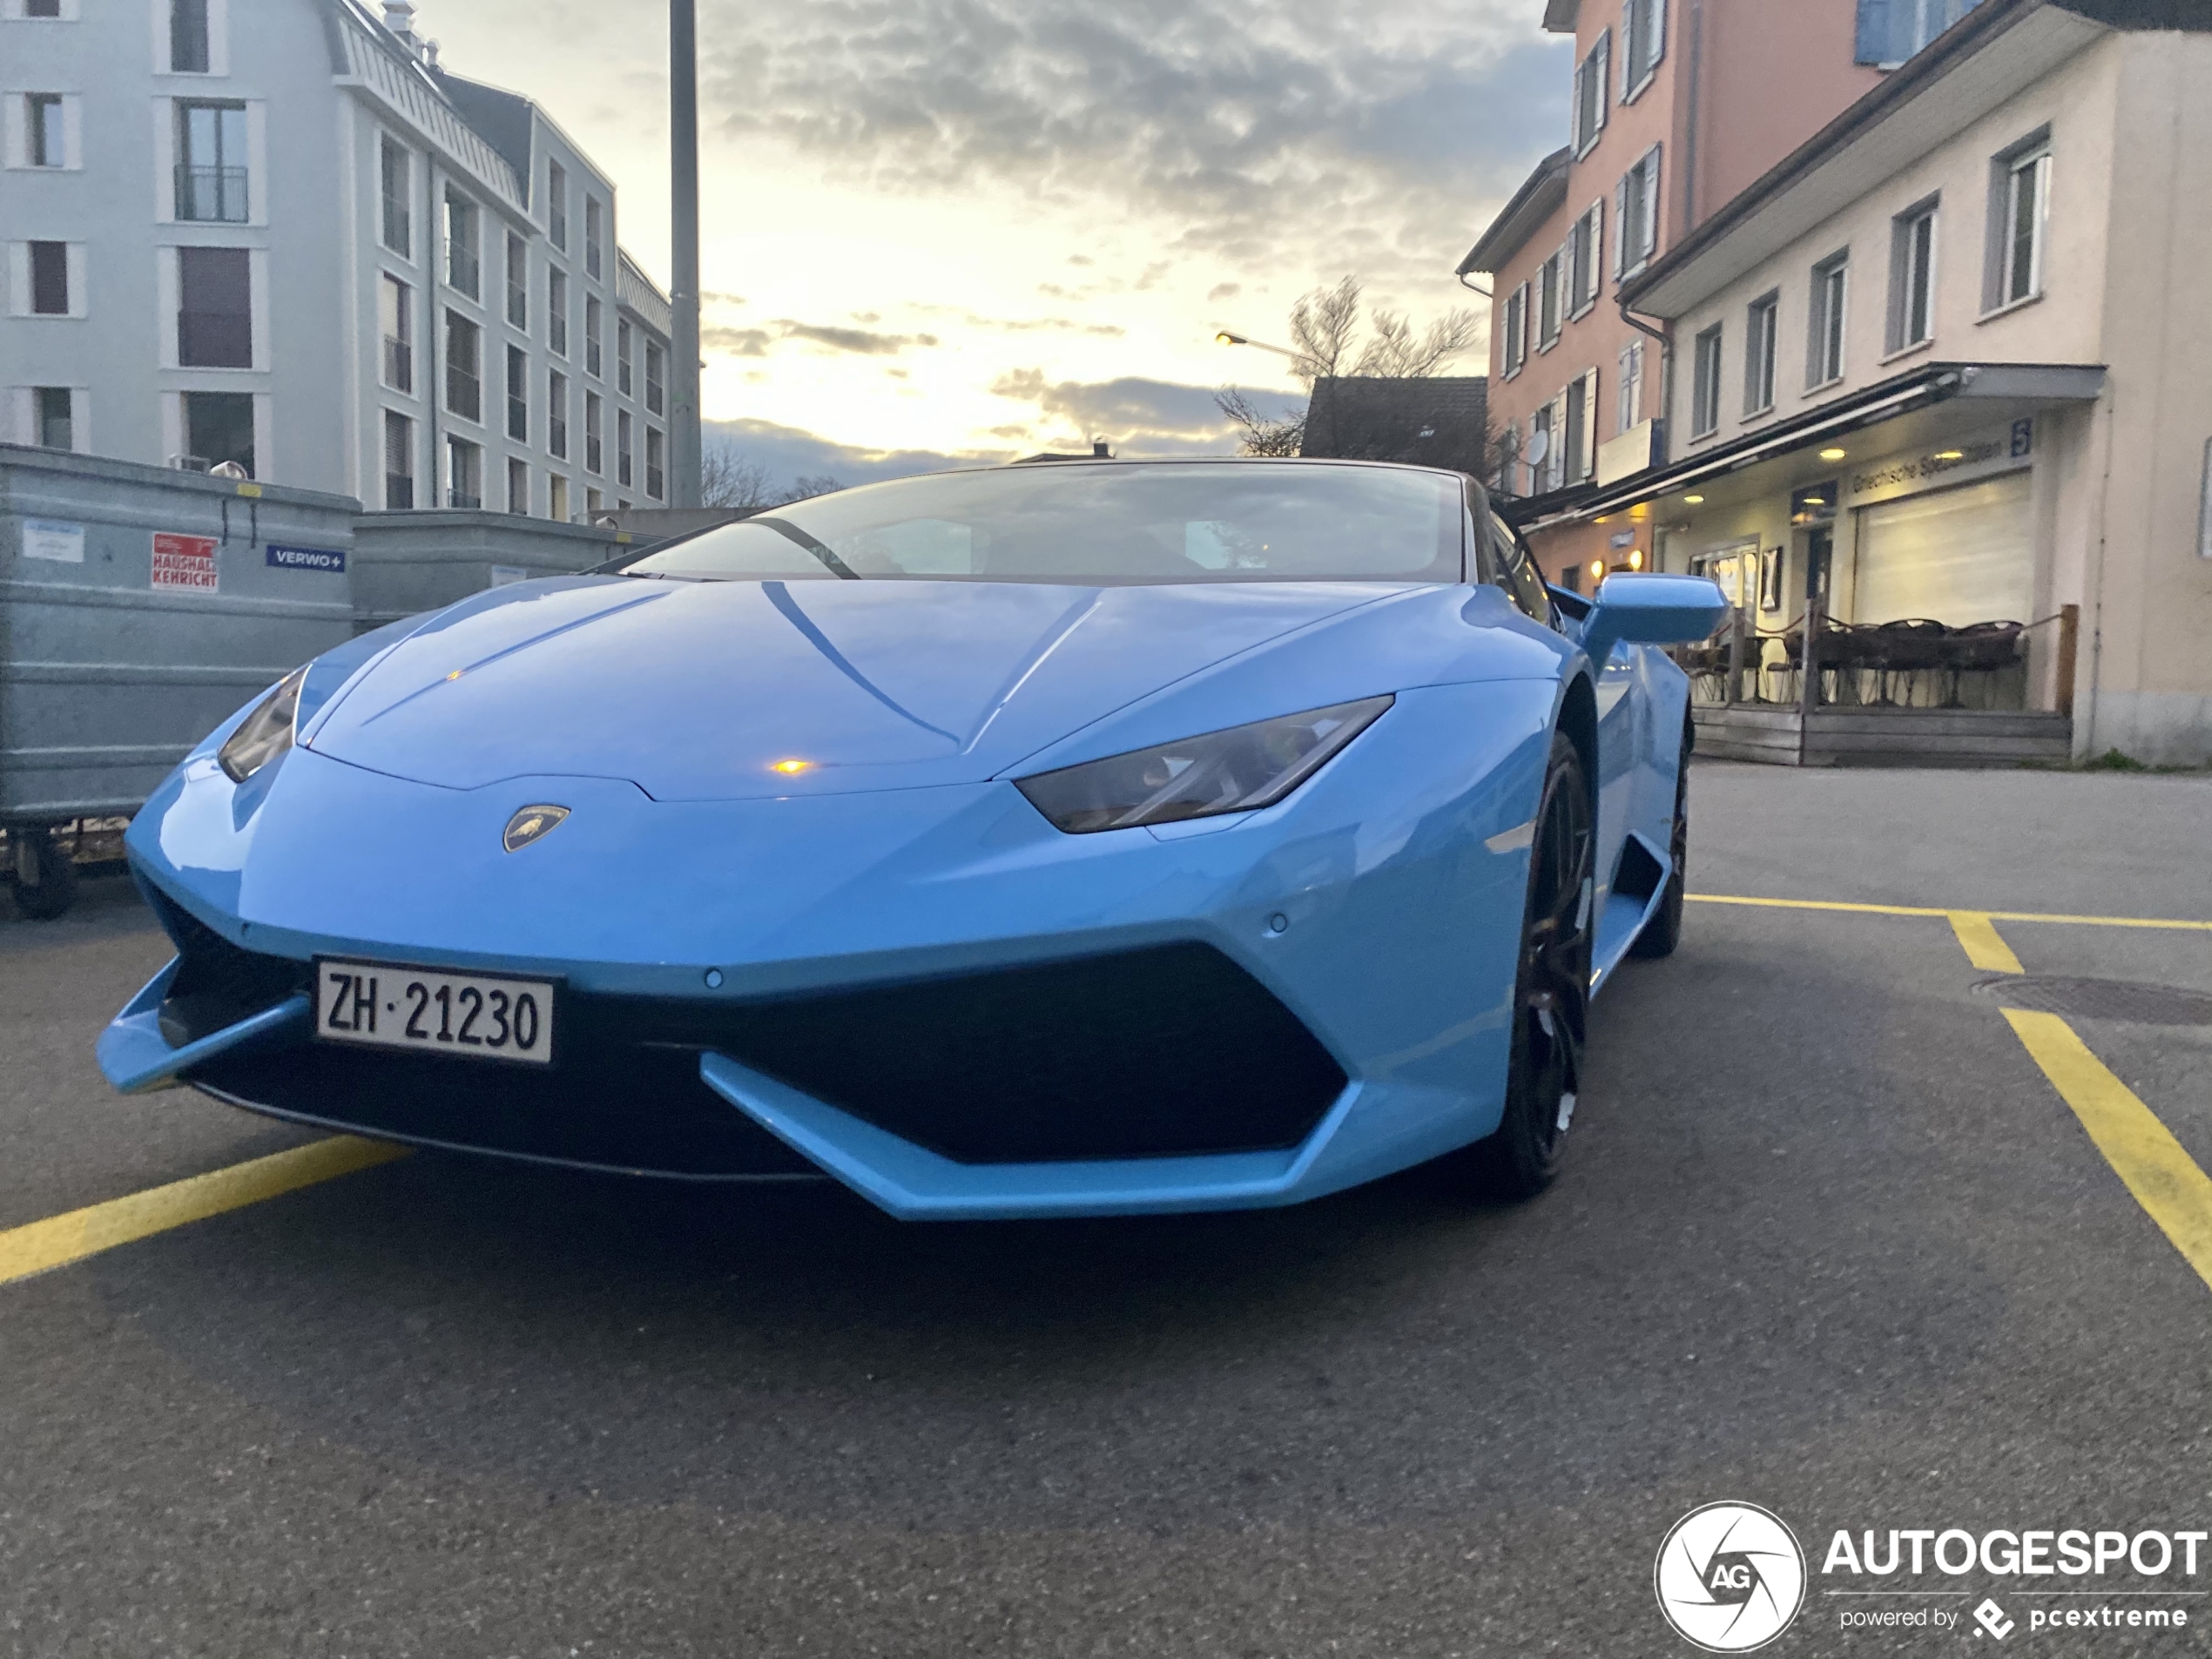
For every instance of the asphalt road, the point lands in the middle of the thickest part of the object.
(1828, 1242)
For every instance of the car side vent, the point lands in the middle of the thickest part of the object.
(218, 984)
(1638, 874)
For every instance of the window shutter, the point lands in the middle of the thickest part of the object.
(1604, 78)
(1622, 229)
(1556, 462)
(1649, 231)
(1874, 31)
(1588, 469)
(1655, 24)
(1627, 48)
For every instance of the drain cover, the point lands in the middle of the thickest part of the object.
(2100, 999)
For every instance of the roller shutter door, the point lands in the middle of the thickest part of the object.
(1957, 555)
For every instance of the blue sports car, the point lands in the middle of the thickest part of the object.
(1071, 839)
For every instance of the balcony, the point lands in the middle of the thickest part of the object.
(464, 393)
(211, 195)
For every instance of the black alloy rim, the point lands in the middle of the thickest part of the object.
(1555, 976)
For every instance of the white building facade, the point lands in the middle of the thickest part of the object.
(276, 233)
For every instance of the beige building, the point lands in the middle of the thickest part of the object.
(1949, 362)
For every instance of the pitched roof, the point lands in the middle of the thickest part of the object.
(1538, 197)
(1435, 421)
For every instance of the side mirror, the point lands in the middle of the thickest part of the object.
(1652, 610)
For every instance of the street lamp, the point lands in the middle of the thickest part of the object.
(1224, 338)
(683, 436)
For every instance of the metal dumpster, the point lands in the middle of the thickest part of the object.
(407, 563)
(138, 607)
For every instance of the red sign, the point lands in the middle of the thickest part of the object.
(184, 562)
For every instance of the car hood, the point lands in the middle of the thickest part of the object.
(694, 691)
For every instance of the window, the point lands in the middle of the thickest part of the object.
(622, 446)
(1643, 43)
(49, 279)
(1548, 298)
(393, 169)
(1629, 405)
(1635, 215)
(1891, 31)
(1705, 385)
(656, 462)
(1592, 88)
(1514, 351)
(591, 457)
(656, 393)
(218, 426)
(215, 308)
(1585, 246)
(42, 8)
(1758, 353)
(1912, 254)
(1825, 333)
(592, 214)
(399, 461)
(1509, 452)
(2020, 195)
(556, 416)
(45, 145)
(518, 282)
(621, 356)
(1517, 574)
(592, 502)
(556, 205)
(1578, 448)
(518, 486)
(557, 311)
(1543, 448)
(463, 271)
(591, 335)
(188, 37)
(464, 473)
(396, 315)
(556, 497)
(211, 166)
(518, 395)
(464, 368)
(53, 409)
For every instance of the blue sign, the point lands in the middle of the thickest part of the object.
(306, 558)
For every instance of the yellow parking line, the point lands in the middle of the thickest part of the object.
(1985, 947)
(2141, 1150)
(1925, 910)
(58, 1240)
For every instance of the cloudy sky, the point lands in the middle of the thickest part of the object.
(966, 228)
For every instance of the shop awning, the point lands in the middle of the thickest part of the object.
(2036, 385)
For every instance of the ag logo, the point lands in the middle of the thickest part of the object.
(1730, 1577)
(530, 824)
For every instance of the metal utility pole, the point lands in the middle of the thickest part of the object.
(683, 251)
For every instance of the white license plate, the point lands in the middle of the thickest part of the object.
(388, 1005)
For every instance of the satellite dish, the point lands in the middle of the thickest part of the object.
(1540, 445)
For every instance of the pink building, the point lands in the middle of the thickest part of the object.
(1676, 108)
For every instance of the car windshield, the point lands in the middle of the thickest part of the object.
(1116, 524)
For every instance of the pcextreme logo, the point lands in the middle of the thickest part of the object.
(1730, 1577)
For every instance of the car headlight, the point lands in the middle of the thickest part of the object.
(266, 732)
(1239, 769)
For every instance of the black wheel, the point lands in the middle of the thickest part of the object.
(1664, 932)
(1551, 989)
(45, 877)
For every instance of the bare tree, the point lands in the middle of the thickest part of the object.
(1258, 435)
(1325, 336)
(727, 479)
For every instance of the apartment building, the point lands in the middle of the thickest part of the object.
(1676, 109)
(1945, 364)
(278, 233)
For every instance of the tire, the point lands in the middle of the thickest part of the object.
(1664, 932)
(54, 887)
(1551, 989)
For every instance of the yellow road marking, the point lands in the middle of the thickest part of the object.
(2141, 1150)
(61, 1239)
(1984, 949)
(1925, 910)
